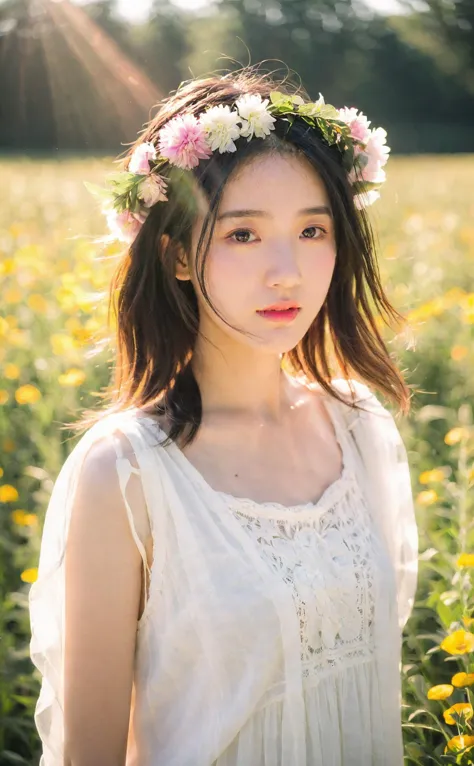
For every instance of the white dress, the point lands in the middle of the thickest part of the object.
(271, 634)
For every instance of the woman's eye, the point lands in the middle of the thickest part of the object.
(239, 233)
(317, 231)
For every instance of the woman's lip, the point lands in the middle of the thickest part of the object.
(286, 315)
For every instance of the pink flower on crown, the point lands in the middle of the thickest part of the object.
(376, 147)
(358, 123)
(183, 142)
(125, 225)
(374, 157)
(141, 157)
(153, 189)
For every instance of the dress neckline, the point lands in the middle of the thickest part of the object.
(270, 507)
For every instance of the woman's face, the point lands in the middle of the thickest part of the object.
(273, 241)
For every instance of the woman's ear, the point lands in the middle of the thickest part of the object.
(182, 269)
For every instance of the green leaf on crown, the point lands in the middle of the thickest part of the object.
(97, 191)
(325, 111)
(281, 103)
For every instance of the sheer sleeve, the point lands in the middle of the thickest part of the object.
(384, 457)
(47, 593)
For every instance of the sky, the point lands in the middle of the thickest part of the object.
(137, 10)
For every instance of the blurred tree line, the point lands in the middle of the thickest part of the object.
(412, 72)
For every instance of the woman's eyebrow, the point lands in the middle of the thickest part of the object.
(320, 210)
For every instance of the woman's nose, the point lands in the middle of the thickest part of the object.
(283, 267)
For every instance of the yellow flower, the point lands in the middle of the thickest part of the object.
(24, 519)
(11, 371)
(73, 377)
(8, 445)
(462, 679)
(454, 436)
(440, 692)
(8, 494)
(7, 266)
(437, 474)
(61, 343)
(4, 396)
(37, 303)
(462, 709)
(12, 295)
(467, 621)
(19, 338)
(459, 642)
(27, 394)
(427, 497)
(458, 353)
(460, 742)
(468, 307)
(29, 575)
(466, 560)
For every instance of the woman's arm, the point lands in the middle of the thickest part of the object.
(103, 587)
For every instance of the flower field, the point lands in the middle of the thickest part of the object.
(56, 357)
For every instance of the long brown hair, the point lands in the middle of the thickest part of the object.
(157, 314)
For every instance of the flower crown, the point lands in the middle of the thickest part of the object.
(186, 139)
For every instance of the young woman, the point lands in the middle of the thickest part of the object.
(229, 553)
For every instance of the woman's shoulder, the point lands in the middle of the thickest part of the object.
(113, 437)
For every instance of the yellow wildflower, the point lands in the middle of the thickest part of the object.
(466, 560)
(440, 692)
(467, 621)
(460, 742)
(462, 679)
(458, 353)
(427, 497)
(4, 396)
(1, 472)
(61, 343)
(12, 295)
(459, 642)
(11, 371)
(24, 519)
(27, 394)
(461, 709)
(8, 494)
(454, 436)
(8, 445)
(7, 266)
(18, 338)
(73, 377)
(437, 474)
(29, 575)
(468, 307)
(37, 303)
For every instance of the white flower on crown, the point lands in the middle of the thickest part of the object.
(366, 198)
(221, 126)
(256, 119)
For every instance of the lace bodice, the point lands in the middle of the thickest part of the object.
(326, 553)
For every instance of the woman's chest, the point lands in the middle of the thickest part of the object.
(312, 573)
(332, 562)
